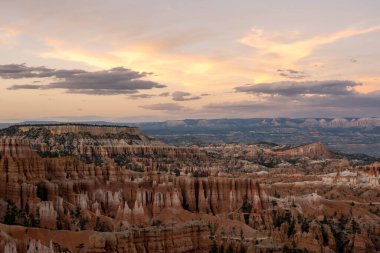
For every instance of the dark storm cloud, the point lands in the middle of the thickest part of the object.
(288, 88)
(106, 82)
(163, 107)
(184, 96)
(292, 74)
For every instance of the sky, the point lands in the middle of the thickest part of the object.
(150, 60)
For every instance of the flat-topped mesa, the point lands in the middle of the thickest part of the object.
(94, 130)
(315, 150)
(132, 135)
(77, 139)
(125, 146)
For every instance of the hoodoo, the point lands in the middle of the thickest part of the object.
(114, 189)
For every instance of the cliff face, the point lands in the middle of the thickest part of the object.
(45, 183)
(190, 237)
(220, 195)
(53, 203)
(314, 150)
(15, 148)
(78, 129)
(102, 144)
(65, 193)
(77, 139)
(193, 236)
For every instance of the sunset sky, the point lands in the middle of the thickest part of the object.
(143, 60)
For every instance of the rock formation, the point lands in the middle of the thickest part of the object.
(313, 150)
(184, 199)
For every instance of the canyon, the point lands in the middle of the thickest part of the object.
(344, 135)
(91, 188)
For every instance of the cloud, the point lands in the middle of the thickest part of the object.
(288, 88)
(184, 96)
(350, 102)
(170, 65)
(105, 82)
(289, 48)
(356, 106)
(164, 94)
(19, 71)
(163, 107)
(292, 74)
(336, 98)
(138, 96)
(26, 87)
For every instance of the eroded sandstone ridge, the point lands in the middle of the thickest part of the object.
(74, 188)
(313, 150)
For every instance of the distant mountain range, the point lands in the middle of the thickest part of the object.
(348, 135)
(273, 122)
(368, 122)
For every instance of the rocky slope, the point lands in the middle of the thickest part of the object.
(78, 139)
(313, 150)
(101, 144)
(65, 193)
(65, 203)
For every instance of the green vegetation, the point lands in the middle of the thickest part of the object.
(291, 228)
(305, 226)
(246, 209)
(214, 248)
(177, 172)
(101, 226)
(10, 215)
(285, 218)
(82, 223)
(325, 236)
(80, 247)
(50, 154)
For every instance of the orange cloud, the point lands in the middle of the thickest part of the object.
(286, 53)
(181, 70)
(194, 71)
